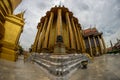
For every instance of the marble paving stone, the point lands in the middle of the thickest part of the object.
(105, 67)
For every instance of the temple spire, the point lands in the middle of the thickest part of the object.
(60, 4)
(56, 2)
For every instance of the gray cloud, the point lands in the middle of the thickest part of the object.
(104, 14)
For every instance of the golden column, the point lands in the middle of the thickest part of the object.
(83, 42)
(76, 36)
(66, 37)
(103, 44)
(59, 22)
(71, 33)
(48, 30)
(79, 38)
(84, 49)
(90, 46)
(96, 48)
(37, 37)
(100, 45)
(41, 37)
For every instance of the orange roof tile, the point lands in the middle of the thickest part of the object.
(90, 31)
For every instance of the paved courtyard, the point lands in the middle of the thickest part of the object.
(105, 67)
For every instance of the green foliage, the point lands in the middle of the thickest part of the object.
(20, 50)
(115, 51)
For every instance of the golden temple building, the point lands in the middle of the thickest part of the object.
(10, 29)
(59, 21)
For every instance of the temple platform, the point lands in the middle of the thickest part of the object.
(105, 67)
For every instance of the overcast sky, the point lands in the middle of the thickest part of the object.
(104, 14)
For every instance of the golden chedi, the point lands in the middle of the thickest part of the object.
(10, 29)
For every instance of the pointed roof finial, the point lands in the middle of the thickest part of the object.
(90, 26)
(117, 40)
(21, 15)
(60, 4)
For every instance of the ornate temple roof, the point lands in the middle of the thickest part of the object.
(117, 45)
(91, 32)
(55, 11)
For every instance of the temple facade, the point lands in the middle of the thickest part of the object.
(10, 29)
(59, 21)
(94, 42)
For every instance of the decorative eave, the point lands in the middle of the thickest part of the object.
(92, 34)
(20, 21)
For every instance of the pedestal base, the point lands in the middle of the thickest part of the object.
(45, 50)
(59, 48)
(8, 54)
(71, 51)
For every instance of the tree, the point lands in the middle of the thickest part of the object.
(20, 50)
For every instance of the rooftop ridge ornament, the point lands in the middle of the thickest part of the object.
(57, 2)
(60, 3)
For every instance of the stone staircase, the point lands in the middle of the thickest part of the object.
(60, 65)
